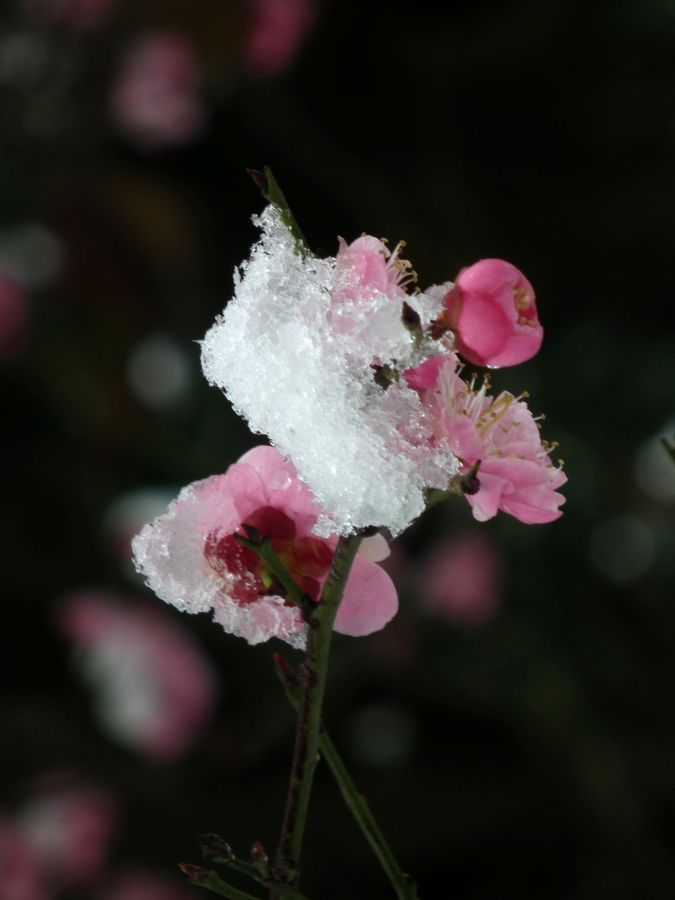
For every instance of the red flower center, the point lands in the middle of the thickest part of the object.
(307, 559)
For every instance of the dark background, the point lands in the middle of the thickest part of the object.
(529, 757)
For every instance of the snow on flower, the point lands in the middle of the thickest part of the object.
(155, 99)
(191, 557)
(296, 351)
(278, 28)
(491, 308)
(154, 689)
(516, 473)
(367, 267)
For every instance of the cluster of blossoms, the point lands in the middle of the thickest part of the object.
(353, 374)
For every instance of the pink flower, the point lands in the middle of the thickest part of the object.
(155, 99)
(155, 690)
(492, 311)
(516, 474)
(278, 29)
(191, 558)
(367, 277)
(461, 579)
(69, 829)
(367, 267)
(425, 376)
(21, 873)
(80, 14)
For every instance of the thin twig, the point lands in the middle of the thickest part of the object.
(306, 752)
(403, 885)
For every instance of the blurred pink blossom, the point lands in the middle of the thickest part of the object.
(21, 873)
(492, 311)
(140, 885)
(13, 316)
(192, 559)
(80, 14)
(462, 579)
(155, 690)
(516, 473)
(155, 100)
(70, 829)
(276, 33)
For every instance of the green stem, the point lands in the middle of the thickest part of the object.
(306, 752)
(275, 195)
(404, 887)
(434, 497)
(267, 553)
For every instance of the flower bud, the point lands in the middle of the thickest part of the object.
(492, 311)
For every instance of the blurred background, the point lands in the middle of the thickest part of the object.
(514, 726)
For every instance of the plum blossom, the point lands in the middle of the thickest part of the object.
(192, 559)
(155, 99)
(461, 579)
(491, 308)
(277, 31)
(365, 272)
(516, 473)
(347, 373)
(154, 689)
(366, 267)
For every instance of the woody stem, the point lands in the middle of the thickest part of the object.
(308, 730)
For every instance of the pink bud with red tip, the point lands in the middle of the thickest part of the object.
(492, 311)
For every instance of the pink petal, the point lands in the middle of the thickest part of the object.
(425, 376)
(369, 602)
(489, 498)
(374, 548)
(247, 493)
(483, 330)
(464, 439)
(521, 347)
(281, 487)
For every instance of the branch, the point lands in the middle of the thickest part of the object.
(314, 673)
(403, 885)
